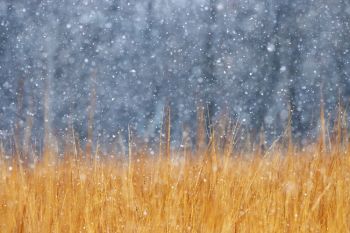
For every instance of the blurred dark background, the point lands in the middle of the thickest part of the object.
(119, 62)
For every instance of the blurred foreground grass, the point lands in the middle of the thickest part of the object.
(280, 191)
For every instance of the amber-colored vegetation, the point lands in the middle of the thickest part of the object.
(214, 189)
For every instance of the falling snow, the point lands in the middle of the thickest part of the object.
(125, 60)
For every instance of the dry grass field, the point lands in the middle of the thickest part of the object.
(283, 189)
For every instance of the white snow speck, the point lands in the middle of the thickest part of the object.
(271, 47)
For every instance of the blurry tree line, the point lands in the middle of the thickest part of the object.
(69, 64)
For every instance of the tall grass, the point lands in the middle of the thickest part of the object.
(281, 189)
